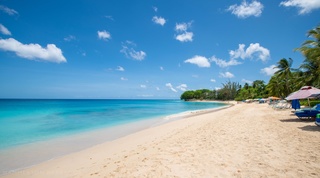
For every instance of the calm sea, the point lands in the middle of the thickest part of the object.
(29, 121)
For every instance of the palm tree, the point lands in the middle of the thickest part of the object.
(285, 74)
(275, 86)
(311, 65)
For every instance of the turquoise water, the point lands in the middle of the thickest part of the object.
(28, 121)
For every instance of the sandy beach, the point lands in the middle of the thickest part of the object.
(246, 140)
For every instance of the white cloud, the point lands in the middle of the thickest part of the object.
(246, 9)
(4, 30)
(104, 35)
(182, 87)
(226, 75)
(182, 27)
(124, 79)
(212, 80)
(130, 52)
(254, 50)
(161, 68)
(185, 37)
(119, 68)
(169, 85)
(8, 10)
(157, 88)
(304, 6)
(224, 63)
(33, 51)
(159, 20)
(69, 38)
(143, 86)
(199, 61)
(247, 81)
(269, 70)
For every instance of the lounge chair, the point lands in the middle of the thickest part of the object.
(308, 113)
(317, 122)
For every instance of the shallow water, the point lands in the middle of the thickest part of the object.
(33, 131)
(28, 121)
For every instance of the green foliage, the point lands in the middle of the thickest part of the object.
(312, 102)
(228, 92)
(257, 90)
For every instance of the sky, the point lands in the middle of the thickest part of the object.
(145, 49)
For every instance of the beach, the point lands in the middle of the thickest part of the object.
(245, 140)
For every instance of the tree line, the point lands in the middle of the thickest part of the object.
(285, 81)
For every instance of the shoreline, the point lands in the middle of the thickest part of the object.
(246, 140)
(23, 156)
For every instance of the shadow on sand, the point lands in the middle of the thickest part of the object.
(297, 120)
(313, 128)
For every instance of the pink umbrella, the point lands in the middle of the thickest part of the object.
(303, 93)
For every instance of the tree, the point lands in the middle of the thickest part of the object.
(311, 65)
(275, 86)
(187, 95)
(260, 88)
(284, 73)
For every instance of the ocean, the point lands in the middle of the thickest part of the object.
(34, 131)
(27, 121)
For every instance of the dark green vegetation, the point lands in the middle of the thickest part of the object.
(285, 81)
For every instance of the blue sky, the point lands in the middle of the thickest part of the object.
(147, 48)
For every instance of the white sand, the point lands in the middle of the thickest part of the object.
(247, 140)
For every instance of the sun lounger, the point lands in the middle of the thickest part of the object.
(310, 113)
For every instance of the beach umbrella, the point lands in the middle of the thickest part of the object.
(304, 93)
(274, 98)
(317, 95)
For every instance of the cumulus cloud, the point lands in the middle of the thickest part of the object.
(269, 70)
(182, 87)
(4, 30)
(159, 20)
(169, 85)
(8, 10)
(143, 86)
(226, 75)
(182, 27)
(253, 51)
(246, 9)
(182, 34)
(212, 80)
(304, 6)
(33, 51)
(224, 63)
(104, 35)
(184, 37)
(200, 61)
(119, 68)
(130, 52)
